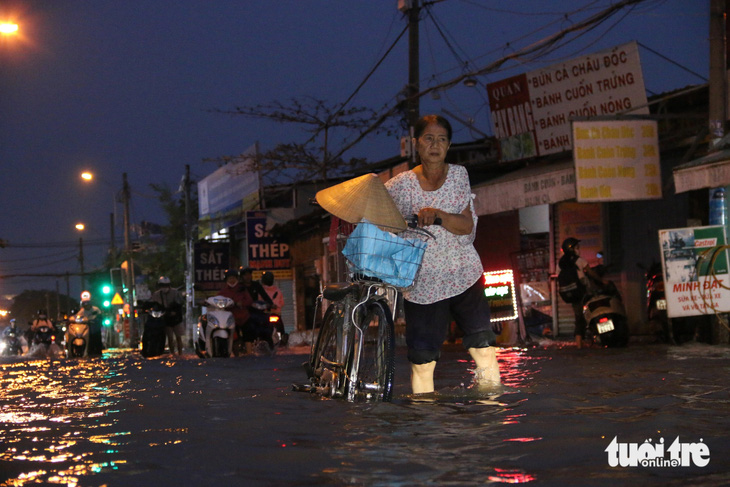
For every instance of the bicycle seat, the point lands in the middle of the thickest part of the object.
(338, 291)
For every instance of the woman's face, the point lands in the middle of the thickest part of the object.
(433, 144)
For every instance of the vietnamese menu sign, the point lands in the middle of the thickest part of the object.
(531, 112)
(696, 275)
(616, 160)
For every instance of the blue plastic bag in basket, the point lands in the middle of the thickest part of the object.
(390, 258)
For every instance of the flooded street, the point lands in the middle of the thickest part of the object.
(124, 420)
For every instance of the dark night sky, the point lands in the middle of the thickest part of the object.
(127, 86)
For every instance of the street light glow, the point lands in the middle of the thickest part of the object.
(80, 226)
(87, 176)
(8, 28)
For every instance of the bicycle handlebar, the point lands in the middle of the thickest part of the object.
(413, 221)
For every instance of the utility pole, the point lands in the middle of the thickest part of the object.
(68, 287)
(189, 264)
(112, 244)
(81, 263)
(718, 109)
(412, 101)
(718, 71)
(58, 302)
(134, 335)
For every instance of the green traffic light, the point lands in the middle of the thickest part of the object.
(107, 321)
(106, 289)
(106, 303)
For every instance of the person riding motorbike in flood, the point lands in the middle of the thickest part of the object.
(43, 342)
(41, 319)
(93, 314)
(257, 325)
(12, 342)
(277, 302)
(171, 302)
(273, 291)
(242, 301)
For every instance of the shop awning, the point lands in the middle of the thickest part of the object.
(710, 171)
(529, 186)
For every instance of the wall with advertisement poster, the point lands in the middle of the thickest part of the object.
(211, 260)
(264, 251)
(616, 160)
(696, 275)
(581, 221)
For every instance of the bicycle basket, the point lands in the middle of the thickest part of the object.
(382, 255)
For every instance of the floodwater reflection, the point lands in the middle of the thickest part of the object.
(457, 436)
(125, 420)
(58, 419)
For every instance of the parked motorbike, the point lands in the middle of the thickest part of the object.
(656, 302)
(217, 323)
(604, 311)
(153, 337)
(11, 342)
(77, 336)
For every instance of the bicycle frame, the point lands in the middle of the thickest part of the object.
(341, 377)
(353, 354)
(370, 295)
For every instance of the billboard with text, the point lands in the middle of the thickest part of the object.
(531, 112)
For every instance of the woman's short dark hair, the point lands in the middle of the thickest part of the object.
(424, 121)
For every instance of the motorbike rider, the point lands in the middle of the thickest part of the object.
(12, 328)
(277, 298)
(257, 323)
(242, 301)
(19, 340)
(172, 302)
(273, 292)
(571, 257)
(254, 288)
(93, 314)
(41, 319)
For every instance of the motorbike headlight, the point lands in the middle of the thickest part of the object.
(231, 322)
(212, 320)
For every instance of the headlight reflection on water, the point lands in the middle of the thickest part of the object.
(52, 419)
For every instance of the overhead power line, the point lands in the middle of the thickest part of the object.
(673, 62)
(44, 245)
(535, 47)
(531, 49)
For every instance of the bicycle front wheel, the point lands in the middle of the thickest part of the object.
(377, 358)
(327, 363)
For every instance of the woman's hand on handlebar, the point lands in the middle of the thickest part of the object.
(429, 216)
(458, 224)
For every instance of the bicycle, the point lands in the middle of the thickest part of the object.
(353, 356)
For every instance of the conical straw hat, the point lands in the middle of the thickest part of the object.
(362, 197)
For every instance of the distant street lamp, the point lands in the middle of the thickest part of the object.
(8, 28)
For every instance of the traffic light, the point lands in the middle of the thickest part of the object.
(106, 292)
(107, 321)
